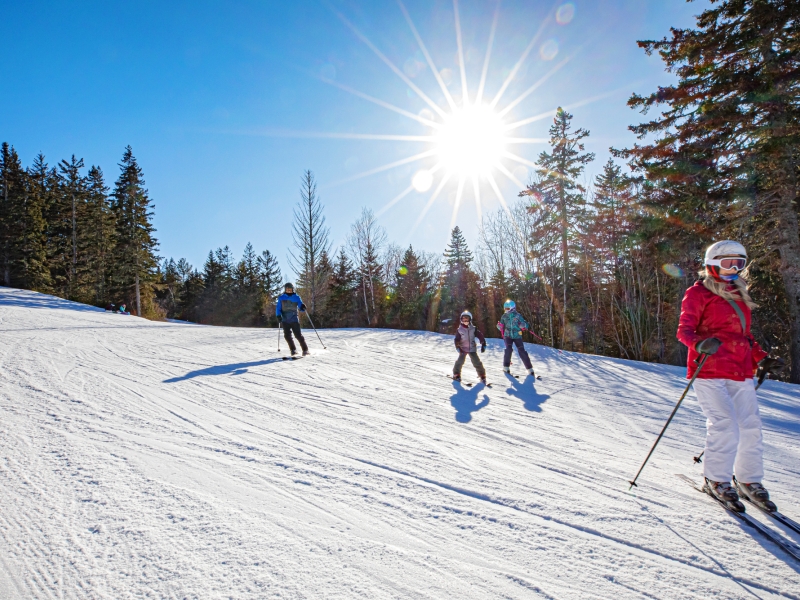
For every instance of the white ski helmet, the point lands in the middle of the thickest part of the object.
(467, 313)
(724, 248)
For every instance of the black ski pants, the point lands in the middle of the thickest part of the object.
(476, 362)
(523, 354)
(294, 328)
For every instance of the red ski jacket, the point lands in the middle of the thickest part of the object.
(705, 315)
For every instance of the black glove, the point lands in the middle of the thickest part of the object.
(771, 365)
(768, 365)
(708, 346)
(302, 308)
(483, 348)
(280, 318)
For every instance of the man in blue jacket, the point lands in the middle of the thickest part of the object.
(286, 310)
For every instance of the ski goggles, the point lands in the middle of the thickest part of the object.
(728, 263)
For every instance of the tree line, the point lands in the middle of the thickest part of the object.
(64, 232)
(599, 267)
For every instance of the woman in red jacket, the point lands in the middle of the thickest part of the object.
(715, 321)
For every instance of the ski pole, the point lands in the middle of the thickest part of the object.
(279, 337)
(674, 410)
(315, 331)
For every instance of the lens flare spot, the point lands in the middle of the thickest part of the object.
(403, 270)
(672, 270)
(549, 50)
(565, 13)
(471, 141)
(422, 181)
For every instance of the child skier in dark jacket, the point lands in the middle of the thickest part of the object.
(465, 344)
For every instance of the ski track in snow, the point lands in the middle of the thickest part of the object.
(169, 460)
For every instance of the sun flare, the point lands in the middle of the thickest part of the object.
(471, 141)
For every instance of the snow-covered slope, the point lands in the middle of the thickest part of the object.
(163, 460)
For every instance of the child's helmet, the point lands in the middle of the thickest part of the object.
(727, 254)
(509, 304)
(467, 313)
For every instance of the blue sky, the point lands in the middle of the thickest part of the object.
(226, 103)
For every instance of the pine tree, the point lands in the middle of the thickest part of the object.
(11, 213)
(558, 175)
(270, 284)
(73, 198)
(612, 203)
(97, 238)
(40, 186)
(341, 292)
(459, 286)
(725, 161)
(412, 294)
(457, 254)
(310, 237)
(135, 260)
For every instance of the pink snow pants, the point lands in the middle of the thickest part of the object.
(733, 439)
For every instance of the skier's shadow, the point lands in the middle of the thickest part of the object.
(232, 369)
(524, 390)
(465, 401)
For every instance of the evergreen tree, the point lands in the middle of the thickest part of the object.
(71, 205)
(13, 194)
(558, 174)
(35, 273)
(459, 286)
(270, 283)
(411, 296)
(725, 161)
(135, 260)
(341, 306)
(97, 238)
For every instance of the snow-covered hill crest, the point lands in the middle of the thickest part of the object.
(163, 460)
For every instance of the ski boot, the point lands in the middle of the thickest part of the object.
(483, 380)
(456, 376)
(724, 492)
(531, 373)
(294, 352)
(306, 353)
(506, 369)
(757, 494)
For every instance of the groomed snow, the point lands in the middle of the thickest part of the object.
(166, 460)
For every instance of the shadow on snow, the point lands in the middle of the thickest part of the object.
(465, 401)
(232, 369)
(524, 390)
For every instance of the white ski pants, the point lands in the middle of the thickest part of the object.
(733, 438)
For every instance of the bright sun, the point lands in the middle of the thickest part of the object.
(471, 141)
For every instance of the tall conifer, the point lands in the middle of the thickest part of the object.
(558, 173)
(35, 274)
(135, 260)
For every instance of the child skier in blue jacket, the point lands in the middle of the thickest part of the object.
(286, 310)
(511, 326)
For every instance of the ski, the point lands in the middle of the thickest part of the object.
(787, 546)
(539, 377)
(470, 384)
(783, 519)
(291, 357)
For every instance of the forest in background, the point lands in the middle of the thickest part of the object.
(599, 268)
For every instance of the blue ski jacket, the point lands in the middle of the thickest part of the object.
(287, 306)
